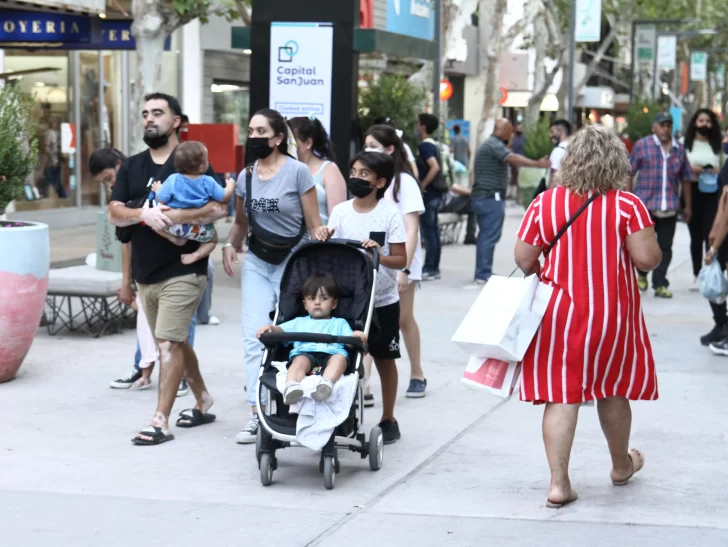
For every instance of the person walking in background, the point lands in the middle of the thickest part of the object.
(316, 150)
(592, 343)
(429, 166)
(490, 182)
(404, 193)
(560, 131)
(460, 148)
(52, 161)
(663, 168)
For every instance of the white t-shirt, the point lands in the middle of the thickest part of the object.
(410, 201)
(557, 154)
(410, 155)
(385, 218)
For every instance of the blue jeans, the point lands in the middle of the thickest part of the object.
(203, 310)
(261, 288)
(190, 339)
(490, 214)
(430, 230)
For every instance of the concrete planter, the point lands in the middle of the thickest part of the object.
(24, 264)
(528, 179)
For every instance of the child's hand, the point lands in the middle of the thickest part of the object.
(323, 233)
(363, 337)
(156, 185)
(263, 330)
(371, 244)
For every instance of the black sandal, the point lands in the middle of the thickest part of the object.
(155, 433)
(193, 417)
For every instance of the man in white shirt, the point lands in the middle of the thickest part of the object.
(560, 131)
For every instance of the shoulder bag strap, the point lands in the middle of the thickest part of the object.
(566, 226)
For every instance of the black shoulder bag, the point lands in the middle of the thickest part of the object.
(266, 245)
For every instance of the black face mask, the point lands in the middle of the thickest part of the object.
(259, 147)
(703, 130)
(359, 188)
(157, 141)
(555, 141)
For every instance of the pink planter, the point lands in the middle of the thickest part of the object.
(24, 264)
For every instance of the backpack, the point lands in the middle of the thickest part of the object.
(446, 177)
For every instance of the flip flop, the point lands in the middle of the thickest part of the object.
(558, 505)
(156, 434)
(193, 417)
(634, 456)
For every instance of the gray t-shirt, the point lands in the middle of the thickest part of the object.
(491, 171)
(460, 149)
(277, 202)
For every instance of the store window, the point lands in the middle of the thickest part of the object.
(44, 76)
(231, 104)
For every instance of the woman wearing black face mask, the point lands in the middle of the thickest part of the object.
(277, 201)
(703, 147)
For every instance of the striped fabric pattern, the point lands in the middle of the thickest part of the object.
(593, 342)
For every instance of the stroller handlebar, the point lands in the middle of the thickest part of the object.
(357, 245)
(273, 338)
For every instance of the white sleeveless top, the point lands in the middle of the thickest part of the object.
(318, 180)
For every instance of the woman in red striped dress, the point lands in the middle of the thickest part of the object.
(592, 343)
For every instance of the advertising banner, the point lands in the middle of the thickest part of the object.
(301, 70)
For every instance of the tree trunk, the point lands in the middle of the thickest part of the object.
(153, 24)
(491, 50)
(541, 80)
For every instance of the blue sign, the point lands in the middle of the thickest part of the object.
(464, 128)
(61, 31)
(677, 116)
(414, 18)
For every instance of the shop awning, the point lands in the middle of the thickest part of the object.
(519, 99)
(93, 7)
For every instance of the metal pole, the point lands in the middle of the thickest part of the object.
(632, 63)
(76, 79)
(125, 98)
(572, 60)
(655, 76)
(437, 61)
(101, 99)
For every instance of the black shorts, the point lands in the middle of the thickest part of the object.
(319, 360)
(386, 344)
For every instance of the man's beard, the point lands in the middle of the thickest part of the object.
(155, 138)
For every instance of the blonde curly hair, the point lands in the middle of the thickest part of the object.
(595, 160)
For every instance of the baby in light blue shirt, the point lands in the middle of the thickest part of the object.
(320, 298)
(191, 188)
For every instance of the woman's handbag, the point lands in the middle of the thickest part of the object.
(266, 245)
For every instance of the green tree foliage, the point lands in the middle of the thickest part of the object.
(639, 119)
(538, 141)
(18, 146)
(394, 97)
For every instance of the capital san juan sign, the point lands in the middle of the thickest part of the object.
(301, 61)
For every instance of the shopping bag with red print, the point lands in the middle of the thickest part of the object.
(498, 377)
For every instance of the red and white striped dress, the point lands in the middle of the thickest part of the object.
(593, 342)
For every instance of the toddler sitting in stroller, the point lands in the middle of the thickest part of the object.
(320, 298)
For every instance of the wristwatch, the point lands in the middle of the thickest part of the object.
(406, 271)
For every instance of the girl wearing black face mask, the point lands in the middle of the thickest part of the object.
(277, 201)
(703, 147)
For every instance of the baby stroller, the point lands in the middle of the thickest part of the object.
(355, 273)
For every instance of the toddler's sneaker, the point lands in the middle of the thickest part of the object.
(323, 390)
(292, 393)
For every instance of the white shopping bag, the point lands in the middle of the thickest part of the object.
(498, 377)
(504, 318)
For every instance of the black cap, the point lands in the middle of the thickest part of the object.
(663, 117)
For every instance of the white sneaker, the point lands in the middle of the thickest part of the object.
(696, 286)
(213, 320)
(249, 433)
(475, 285)
(292, 393)
(323, 390)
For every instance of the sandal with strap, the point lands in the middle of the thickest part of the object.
(193, 417)
(156, 435)
(638, 462)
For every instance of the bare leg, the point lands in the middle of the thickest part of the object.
(387, 369)
(335, 368)
(559, 425)
(205, 249)
(179, 241)
(615, 416)
(300, 366)
(368, 371)
(410, 330)
(204, 400)
(172, 364)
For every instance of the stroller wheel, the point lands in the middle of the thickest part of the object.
(376, 448)
(266, 469)
(329, 472)
(258, 443)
